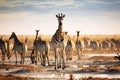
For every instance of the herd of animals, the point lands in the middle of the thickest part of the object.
(61, 44)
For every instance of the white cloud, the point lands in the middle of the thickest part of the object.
(99, 2)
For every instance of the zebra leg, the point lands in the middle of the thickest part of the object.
(48, 60)
(81, 54)
(16, 56)
(32, 58)
(63, 60)
(36, 57)
(21, 62)
(78, 51)
(8, 55)
(47, 53)
(24, 57)
(70, 54)
(66, 55)
(3, 55)
(43, 59)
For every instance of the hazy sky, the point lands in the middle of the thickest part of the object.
(88, 16)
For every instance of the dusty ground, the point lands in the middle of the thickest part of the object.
(91, 67)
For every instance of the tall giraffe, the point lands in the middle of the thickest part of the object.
(79, 46)
(57, 42)
(42, 47)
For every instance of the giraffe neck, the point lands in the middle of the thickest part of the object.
(59, 36)
(60, 30)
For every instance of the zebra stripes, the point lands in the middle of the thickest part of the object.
(18, 47)
(3, 49)
(79, 46)
(41, 47)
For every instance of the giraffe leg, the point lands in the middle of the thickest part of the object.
(56, 58)
(59, 60)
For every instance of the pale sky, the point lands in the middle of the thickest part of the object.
(89, 16)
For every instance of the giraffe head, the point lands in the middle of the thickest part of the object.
(60, 17)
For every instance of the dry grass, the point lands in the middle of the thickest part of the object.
(29, 67)
(10, 77)
(102, 58)
(91, 78)
(73, 37)
(92, 69)
(114, 68)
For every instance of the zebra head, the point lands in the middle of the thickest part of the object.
(60, 17)
(12, 35)
(78, 32)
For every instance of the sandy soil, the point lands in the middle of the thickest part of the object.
(96, 65)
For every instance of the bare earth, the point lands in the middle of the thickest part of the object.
(95, 65)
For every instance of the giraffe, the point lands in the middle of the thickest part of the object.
(42, 47)
(2, 48)
(18, 47)
(58, 44)
(79, 46)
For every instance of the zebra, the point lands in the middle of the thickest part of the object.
(79, 46)
(43, 47)
(94, 44)
(18, 47)
(113, 46)
(86, 42)
(106, 45)
(69, 48)
(117, 57)
(116, 43)
(3, 49)
(58, 44)
(9, 48)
